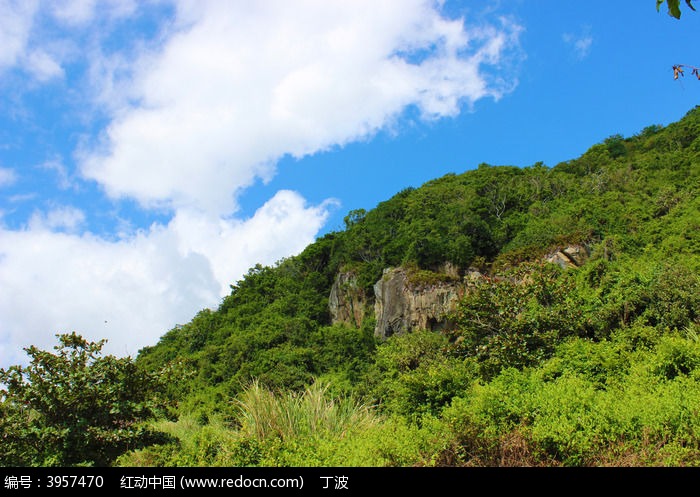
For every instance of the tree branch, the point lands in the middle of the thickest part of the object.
(678, 70)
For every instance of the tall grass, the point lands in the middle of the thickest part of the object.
(264, 414)
(269, 429)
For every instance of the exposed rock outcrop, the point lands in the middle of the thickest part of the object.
(402, 306)
(347, 301)
(571, 256)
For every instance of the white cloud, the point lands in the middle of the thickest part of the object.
(73, 12)
(134, 290)
(15, 23)
(7, 176)
(22, 197)
(580, 43)
(64, 218)
(246, 83)
(56, 165)
(282, 226)
(17, 19)
(43, 66)
(29, 40)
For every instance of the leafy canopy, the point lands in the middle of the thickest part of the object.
(74, 407)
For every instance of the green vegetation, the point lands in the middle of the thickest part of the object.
(75, 407)
(674, 6)
(597, 364)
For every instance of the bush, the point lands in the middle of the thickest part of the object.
(516, 319)
(75, 407)
(414, 377)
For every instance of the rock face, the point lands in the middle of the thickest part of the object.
(571, 256)
(347, 301)
(400, 306)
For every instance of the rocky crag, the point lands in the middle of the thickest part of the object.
(403, 303)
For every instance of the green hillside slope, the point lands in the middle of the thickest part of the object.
(569, 335)
(617, 334)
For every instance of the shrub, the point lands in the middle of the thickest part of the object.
(75, 407)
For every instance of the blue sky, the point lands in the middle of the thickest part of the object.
(152, 151)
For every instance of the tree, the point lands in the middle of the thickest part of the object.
(354, 216)
(74, 407)
(674, 7)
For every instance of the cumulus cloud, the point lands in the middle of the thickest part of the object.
(134, 290)
(243, 84)
(228, 90)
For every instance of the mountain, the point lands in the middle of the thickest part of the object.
(480, 301)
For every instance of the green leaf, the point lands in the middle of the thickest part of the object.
(674, 8)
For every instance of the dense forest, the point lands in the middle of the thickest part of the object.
(542, 364)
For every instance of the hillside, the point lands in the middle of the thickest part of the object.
(517, 316)
(628, 313)
(630, 199)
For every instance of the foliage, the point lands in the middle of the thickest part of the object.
(414, 376)
(75, 407)
(516, 319)
(674, 6)
(607, 406)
